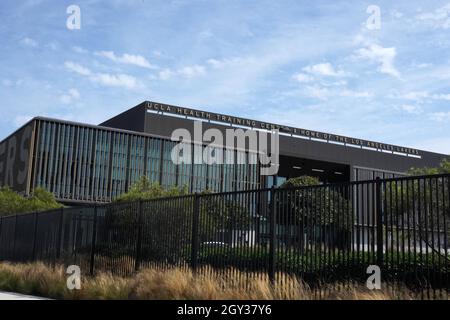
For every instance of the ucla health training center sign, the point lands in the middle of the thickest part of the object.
(327, 137)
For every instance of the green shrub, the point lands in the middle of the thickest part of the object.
(12, 203)
(144, 189)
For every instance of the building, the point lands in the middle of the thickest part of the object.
(84, 164)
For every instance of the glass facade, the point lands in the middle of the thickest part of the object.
(89, 164)
(362, 174)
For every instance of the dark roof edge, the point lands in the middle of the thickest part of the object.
(147, 102)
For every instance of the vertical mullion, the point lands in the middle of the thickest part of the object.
(40, 171)
(47, 133)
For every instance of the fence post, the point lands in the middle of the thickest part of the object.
(60, 234)
(14, 241)
(33, 258)
(137, 263)
(379, 206)
(272, 232)
(195, 235)
(94, 236)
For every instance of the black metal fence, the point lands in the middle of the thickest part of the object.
(320, 233)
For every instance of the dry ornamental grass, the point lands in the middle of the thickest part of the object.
(179, 284)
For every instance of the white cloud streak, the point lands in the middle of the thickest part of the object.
(440, 116)
(302, 77)
(323, 93)
(323, 69)
(439, 18)
(185, 72)
(127, 58)
(78, 49)
(72, 95)
(115, 80)
(384, 57)
(106, 79)
(77, 68)
(422, 96)
(410, 109)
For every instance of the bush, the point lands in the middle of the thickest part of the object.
(329, 266)
(144, 189)
(12, 203)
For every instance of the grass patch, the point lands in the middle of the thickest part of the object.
(180, 284)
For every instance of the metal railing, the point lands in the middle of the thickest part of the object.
(323, 233)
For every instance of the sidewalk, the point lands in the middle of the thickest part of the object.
(17, 296)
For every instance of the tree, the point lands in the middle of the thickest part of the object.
(163, 220)
(444, 167)
(416, 207)
(222, 215)
(316, 210)
(301, 181)
(13, 203)
(166, 220)
(318, 205)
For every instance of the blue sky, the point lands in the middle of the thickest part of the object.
(307, 64)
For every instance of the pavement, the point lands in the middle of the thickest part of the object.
(17, 296)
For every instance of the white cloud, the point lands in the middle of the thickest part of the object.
(421, 96)
(126, 58)
(317, 92)
(229, 62)
(216, 63)
(323, 69)
(79, 49)
(106, 79)
(423, 65)
(166, 74)
(186, 72)
(70, 97)
(115, 80)
(441, 96)
(396, 14)
(414, 95)
(29, 42)
(355, 94)
(410, 109)
(439, 18)
(324, 93)
(316, 72)
(302, 77)
(75, 67)
(440, 116)
(327, 87)
(192, 71)
(382, 56)
(336, 83)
